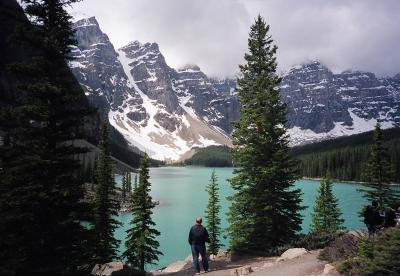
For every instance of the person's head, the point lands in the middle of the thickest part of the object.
(199, 220)
(375, 203)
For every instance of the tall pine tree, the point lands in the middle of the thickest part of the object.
(135, 183)
(129, 182)
(41, 206)
(326, 216)
(264, 211)
(106, 204)
(379, 173)
(212, 214)
(124, 185)
(141, 244)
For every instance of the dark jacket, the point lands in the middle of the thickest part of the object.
(198, 235)
(372, 216)
(390, 218)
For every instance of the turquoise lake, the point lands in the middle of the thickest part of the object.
(182, 196)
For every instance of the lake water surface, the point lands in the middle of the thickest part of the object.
(182, 196)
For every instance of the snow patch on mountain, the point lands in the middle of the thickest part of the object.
(166, 112)
(300, 136)
(153, 138)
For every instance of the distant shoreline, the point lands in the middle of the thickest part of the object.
(302, 178)
(341, 181)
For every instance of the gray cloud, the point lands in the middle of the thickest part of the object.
(357, 34)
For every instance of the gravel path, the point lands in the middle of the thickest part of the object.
(306, 265)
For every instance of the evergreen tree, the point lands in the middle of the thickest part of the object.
(379, 173)
(379, 256)
(135, 184)
(41, 195)
(326, 216)
(212, 214)
(141, 244)
(106, 205)
(264, 211)
(129, 182)
(124, 184)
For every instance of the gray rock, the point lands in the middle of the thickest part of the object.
(222, 254)
(241, 271)
(107, 269)
(167, 121)
(328, 269)
(175, 267)
(292, 253)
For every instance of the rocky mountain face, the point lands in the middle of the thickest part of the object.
(322, 104)
(96, 67)
(166, 111)
(154, 106)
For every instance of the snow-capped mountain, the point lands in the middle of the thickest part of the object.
(96, 66)
(322, 104)
(166, 112)
(145, 99)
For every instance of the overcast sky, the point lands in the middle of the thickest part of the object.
(356, 34)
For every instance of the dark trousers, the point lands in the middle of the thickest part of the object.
(371, 230)
(196, 250)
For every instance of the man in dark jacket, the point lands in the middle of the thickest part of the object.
(390, 217)
(372, 218)
(198, 236)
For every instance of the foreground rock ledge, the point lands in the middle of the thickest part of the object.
(241, 271)
(292, 253)
(107, 269)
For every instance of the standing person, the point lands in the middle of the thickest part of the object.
(390, 217)
(372, 218)
(198, 236)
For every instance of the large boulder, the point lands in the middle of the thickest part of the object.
(292, 253)
(222, 254)
(177, 266)
(107, 269)
(241, 271)
(329, 270)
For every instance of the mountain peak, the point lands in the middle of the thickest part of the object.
(139, 45)
(189, 67)
(313, 65)
(134, 43)
(86, 22)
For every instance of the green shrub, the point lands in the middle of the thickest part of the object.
(375, 257)
(340, 249)
(314, 241)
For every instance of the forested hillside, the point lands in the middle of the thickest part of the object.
(345, 158)
(120, 149)
(212, 156)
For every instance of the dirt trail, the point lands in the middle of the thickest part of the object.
(305, 265)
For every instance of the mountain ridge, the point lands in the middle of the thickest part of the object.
(140, 94)
(166, 111)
